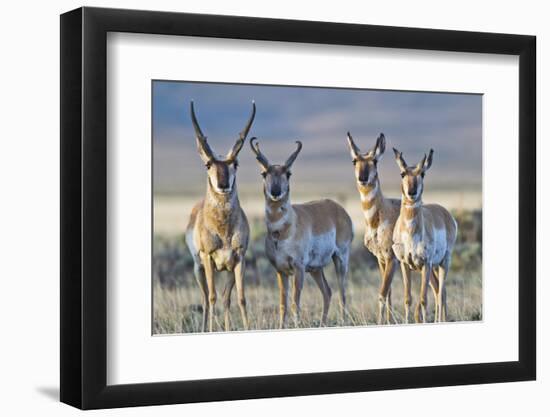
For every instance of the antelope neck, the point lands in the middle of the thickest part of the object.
(224, 202)
(279, 217)
(371, 194)
(371, 203)
(275, 210)
(412, 213)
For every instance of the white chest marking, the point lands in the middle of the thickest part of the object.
(410, 223)
(370, 195)
(278, 224)
(378, 240)
(369, 213)
(384, 227)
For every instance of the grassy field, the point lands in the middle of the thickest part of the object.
(177, 301)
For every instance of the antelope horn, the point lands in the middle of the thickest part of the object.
(354, 149)
(292, 157)
(201, 139)
(242, 135)
(400, 161)
(260, 157)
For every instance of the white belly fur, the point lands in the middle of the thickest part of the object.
(321, 249)
(317, 252)
(411, 246)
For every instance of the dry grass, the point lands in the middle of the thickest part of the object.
(177, 300)
(178, 309)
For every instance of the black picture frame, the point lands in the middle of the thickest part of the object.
(84, 207)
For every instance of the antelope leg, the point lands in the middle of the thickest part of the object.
(239, 281)
(405, 271)
(283, 298)
(227, 300)
(296, 293)
(212, 296)
(319, 277)
(201, 280)
(383, 294)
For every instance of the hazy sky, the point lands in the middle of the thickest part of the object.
(319, 117)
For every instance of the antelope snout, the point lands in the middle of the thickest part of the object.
(412, 192)
(224, 185)
(275, 191)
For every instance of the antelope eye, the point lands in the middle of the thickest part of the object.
(354, 161)
(288, 174)
(422, 175)
(264, 174)
(403, 174)
(375, 162)
(208, 165)
(236, 164)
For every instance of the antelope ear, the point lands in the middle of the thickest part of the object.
(428, 161)
(399, 160)
(380, 147)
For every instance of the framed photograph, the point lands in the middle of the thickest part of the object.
(257, 208)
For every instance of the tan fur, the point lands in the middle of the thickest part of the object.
(217, 236)
(424, 237)
(380, 215)
(290, 244)
(303, 238)
(219, 224)
(217, 233)
(301, 223)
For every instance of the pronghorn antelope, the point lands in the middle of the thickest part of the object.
(302, 237)
(380, 216)
(424, 237)
(217, 233)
